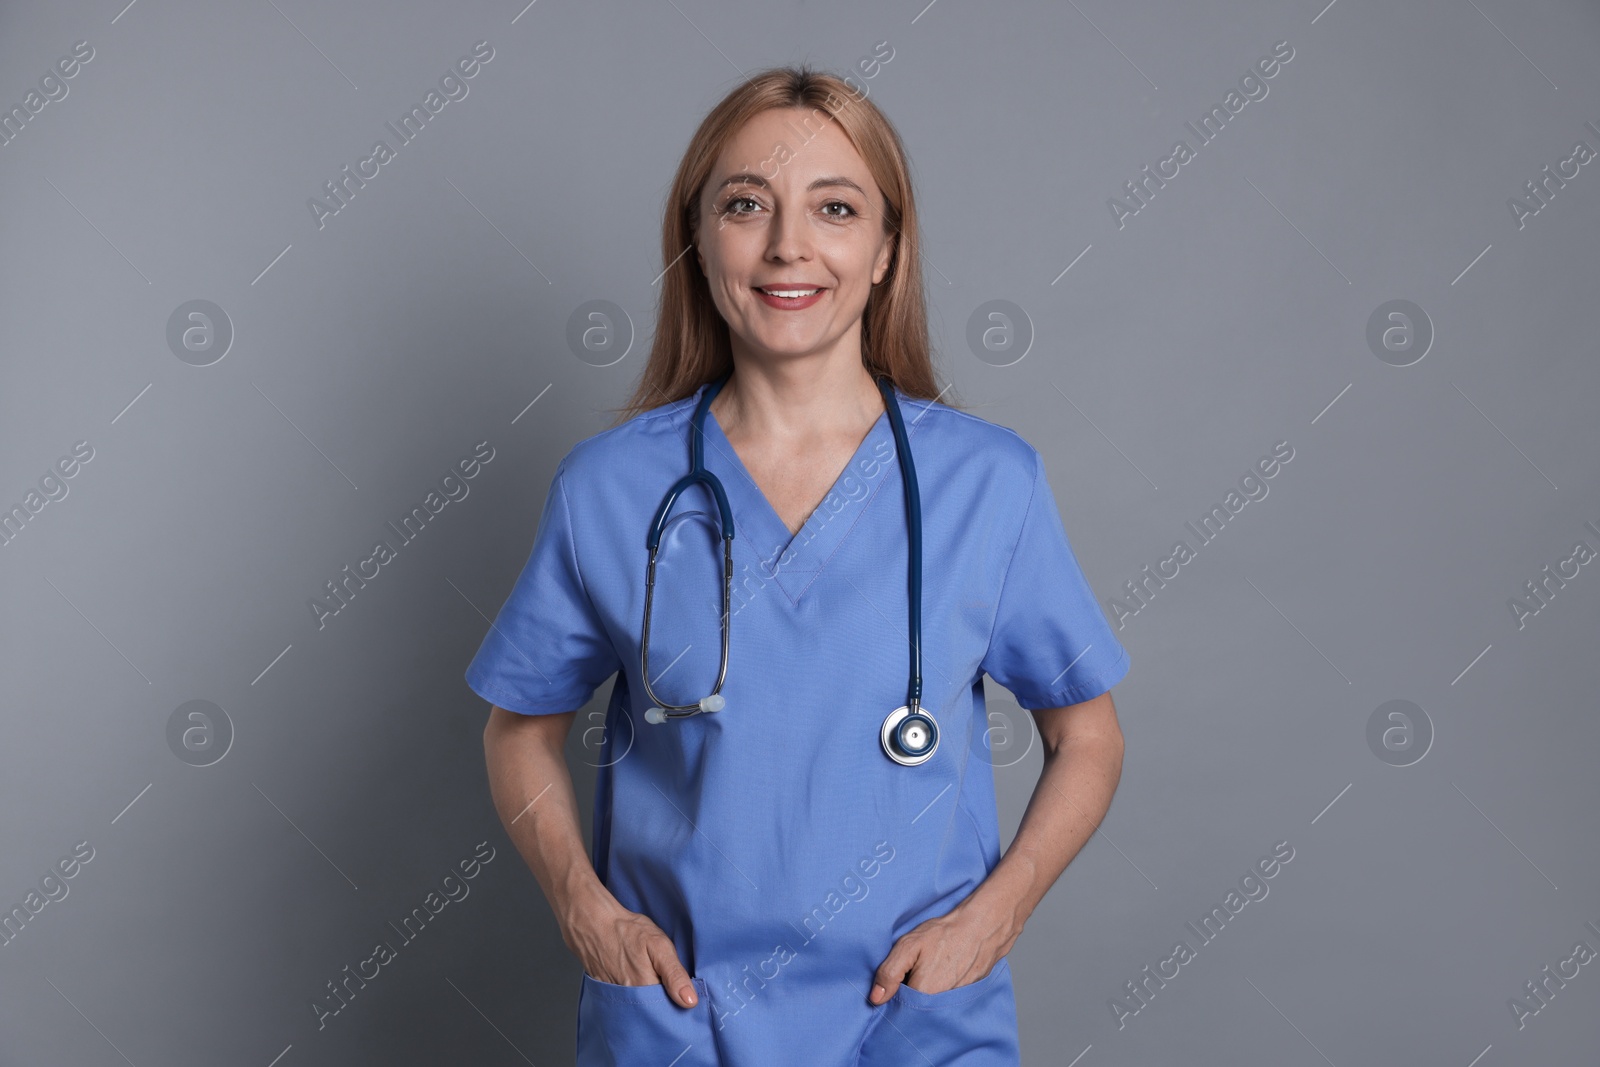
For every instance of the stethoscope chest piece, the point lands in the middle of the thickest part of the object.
(908, 737)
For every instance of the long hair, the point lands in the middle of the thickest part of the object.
(691, 345)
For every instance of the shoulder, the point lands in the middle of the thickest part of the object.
(660, 433)
(998, 454)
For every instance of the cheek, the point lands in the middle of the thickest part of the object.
(717, 276)
(853, 261)
(855, 277)
(729, 258)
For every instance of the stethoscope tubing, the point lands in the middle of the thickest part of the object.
(700, 475)
(908, 470)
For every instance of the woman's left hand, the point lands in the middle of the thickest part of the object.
(951, 950)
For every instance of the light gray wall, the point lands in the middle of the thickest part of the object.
(370, 353)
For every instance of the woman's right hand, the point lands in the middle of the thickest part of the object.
(525, 759)
(626, 948)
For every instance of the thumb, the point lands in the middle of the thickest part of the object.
(887, 978)
(673, 975)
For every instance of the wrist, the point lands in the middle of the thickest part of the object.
(1007, 892)
(579, 898)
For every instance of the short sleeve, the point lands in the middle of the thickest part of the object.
(1051, 645)
(547, 650)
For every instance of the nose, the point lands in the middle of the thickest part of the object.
(789, 237)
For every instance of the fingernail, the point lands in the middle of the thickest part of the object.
(877, 993)
(687, 993)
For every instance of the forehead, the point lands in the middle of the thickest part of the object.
(789, 147)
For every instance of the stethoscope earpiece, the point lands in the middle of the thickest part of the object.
(713, 702)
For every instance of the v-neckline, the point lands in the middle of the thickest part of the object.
(764, 533)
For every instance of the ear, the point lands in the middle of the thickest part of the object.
(880, 269)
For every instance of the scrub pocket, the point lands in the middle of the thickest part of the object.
(973, 1025)
(625, 1025)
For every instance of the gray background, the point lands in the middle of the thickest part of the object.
(370, 354)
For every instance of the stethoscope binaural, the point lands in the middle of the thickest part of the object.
(909, 735)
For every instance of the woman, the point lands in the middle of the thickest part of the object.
(789, 880)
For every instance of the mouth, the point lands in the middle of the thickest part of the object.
(788, 292)
(789, 297)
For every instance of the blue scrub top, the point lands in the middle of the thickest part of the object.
(774, 842)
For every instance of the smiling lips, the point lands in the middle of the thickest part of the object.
(789, 297)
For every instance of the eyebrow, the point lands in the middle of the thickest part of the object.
(748, 178)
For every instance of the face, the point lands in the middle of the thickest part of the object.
(790, 206)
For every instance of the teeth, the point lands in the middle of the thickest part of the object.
(791, 293)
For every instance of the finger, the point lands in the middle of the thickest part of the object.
(664, 954)
(887, 978)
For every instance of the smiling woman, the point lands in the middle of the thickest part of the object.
(750, 143)
(757, 758)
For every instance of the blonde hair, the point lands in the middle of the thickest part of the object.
(691, 345)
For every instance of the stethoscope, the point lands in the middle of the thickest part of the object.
(909, 735)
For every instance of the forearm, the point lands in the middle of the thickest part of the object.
(533, 794)
(1071, 797)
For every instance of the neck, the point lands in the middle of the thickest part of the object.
(797, 400)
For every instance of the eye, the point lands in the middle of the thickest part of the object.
(839, 203)
(728, 208)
